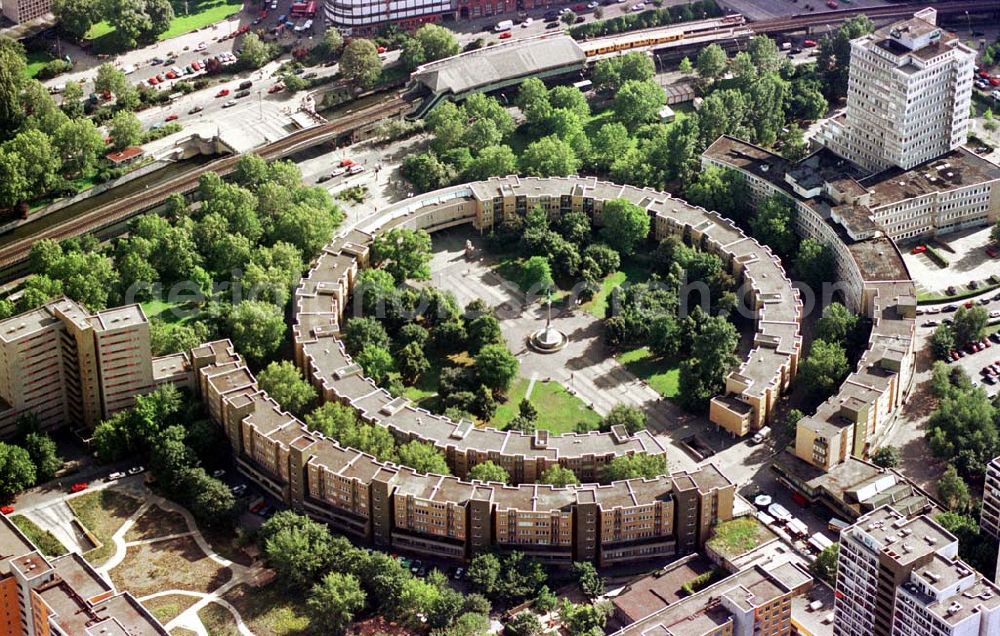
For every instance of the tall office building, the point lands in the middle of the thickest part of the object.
(908, 96)
(900, 576)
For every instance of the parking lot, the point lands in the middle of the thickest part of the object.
(967, 261)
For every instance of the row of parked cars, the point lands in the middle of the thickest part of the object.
(419, 568)
(346, 167)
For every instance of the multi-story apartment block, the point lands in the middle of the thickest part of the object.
(68, 366)
(359, 17)
(901, 576)
(18, 11)
(756, 600)
(752, 390)
(63, 596)
(390, 505)
(989, 519)
(908, 96)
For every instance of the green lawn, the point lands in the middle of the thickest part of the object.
(629, 273)
(102, 513)
(738, 536)
(424, 392)
(662, 375)
(558, 410)
(175, 313)
(963, 292)
(44, 540)
(36, 62)
(199, 14)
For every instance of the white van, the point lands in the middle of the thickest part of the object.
(506, 25)
(761, 435)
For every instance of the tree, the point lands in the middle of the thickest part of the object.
(484, 573)
(549, 157)
(283, 381)
(256, 53)
(722, 190)
(825, 565)
(404, 253)
(364, 331)
(78, 143)
(953, 491)
(424, 458)
(426, 172)
(256, 328)
(333, 41)
(44, 455)
(545, 601)
(125, 130)
(307, 227)
(685, 66)
(492, 161)
(71, 104)
(76, 16)
(638, 102)
(524, 623)
(488, 471)
(588, 579)
(38, 161)
(711, 62)
(837, 324)
(12, 73)
(334, 601)
(169, 458)
(636, 466)
(702, 376)
(584, 619)
(210, 500)
(484, 331)
(536, 275)
(360, 64)
(765, 54)
(17, 472)
(995, 233)
(111, 80)
(792, 420)
(626, 225)
(437, 42)
(815, 263)
(773, 225)
(886, 457)
(298, 548)
(376, 362)
(824, 369)
(559, 476)
(970, 323)
(942, 341)
(497, 367)
(630, 417)
(568, 18)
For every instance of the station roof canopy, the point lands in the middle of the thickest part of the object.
(497, 65)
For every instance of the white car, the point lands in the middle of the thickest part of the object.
(564, 10)
(593, 5)
(218, 473)
(115, 475)
(356, 169)
(639, 6)
(995, 313)
(229, 104)
(527, 22)
(201, 46)
(135, 470)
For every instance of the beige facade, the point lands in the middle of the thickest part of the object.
(70, 367)
(389, 505)
(989, 519)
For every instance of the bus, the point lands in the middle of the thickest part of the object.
(304, 9)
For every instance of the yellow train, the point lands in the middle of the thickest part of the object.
(658, 36)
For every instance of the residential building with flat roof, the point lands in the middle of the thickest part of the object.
(68, 366)
(908, 95)
(442, 515)
(62, 596)
(901, 576)
(18, 11)
(989, 519)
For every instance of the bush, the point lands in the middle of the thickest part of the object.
(53, 68)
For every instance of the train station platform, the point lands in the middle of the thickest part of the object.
(497, 67)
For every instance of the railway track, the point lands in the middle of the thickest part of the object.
(93, 220)
(16, 253)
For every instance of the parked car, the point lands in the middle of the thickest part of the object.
(949, 308)
(135, 470)
(460, 572)
(196, 109)
(171, 117)
(115, 475)
(832, 4)
(323, 178)
(276, 88)
(79, 486)
(241, 94)
(346, 163)
(356, 169)
(7, 509)
(222, 93)
(527, 22)
(505, 35)
(229, 104)
(809, 43)
(218, 473)
(238, 489)
(552, 25)
(919, 249)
